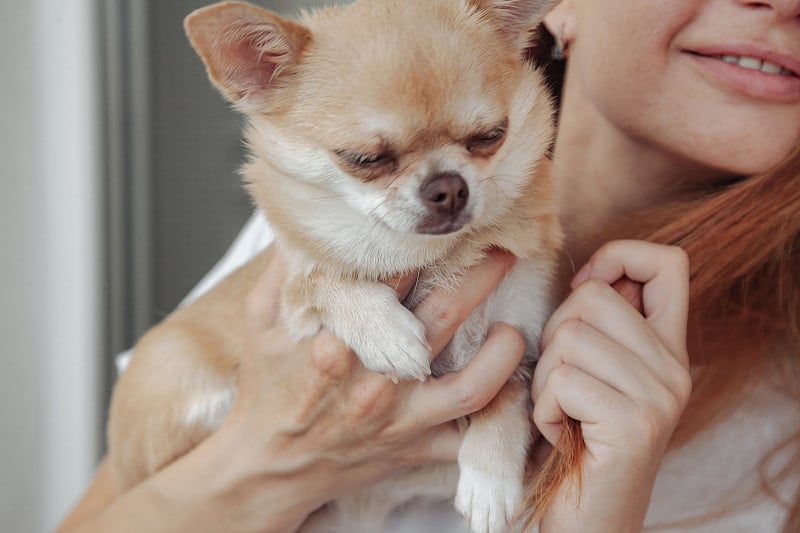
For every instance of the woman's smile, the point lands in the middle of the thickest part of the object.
(751, 70)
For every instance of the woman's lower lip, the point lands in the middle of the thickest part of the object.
(774, 87)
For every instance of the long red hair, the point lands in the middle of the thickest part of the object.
(743, 241)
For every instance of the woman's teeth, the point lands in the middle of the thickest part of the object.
(755, 64)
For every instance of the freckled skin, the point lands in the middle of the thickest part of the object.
(665, 100)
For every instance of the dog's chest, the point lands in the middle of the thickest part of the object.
(522, 300)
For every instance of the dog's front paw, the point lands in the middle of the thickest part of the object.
(386, 336)
(396, 346)
(490, 502)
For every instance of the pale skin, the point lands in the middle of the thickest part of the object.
(622, 372)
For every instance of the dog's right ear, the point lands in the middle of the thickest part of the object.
(516, 18)
(249, 52)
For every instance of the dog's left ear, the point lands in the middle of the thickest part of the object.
(516, 18)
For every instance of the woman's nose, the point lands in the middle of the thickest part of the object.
(783, 9)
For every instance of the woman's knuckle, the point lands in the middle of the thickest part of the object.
(370, 396)
(566, 337)
(560, 377)
(331, 357)
(679, 258)
(671, 406)
(604, 251)
(593, 291)
(440, 313)
(392, 431)
(678, 379)
(537, 385)
(471, 400)
(538, 415)
(666, 404)
(568, 332)
(682, 385)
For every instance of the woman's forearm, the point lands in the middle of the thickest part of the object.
(612, 501)
(202, 491)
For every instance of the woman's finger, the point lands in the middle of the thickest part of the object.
(598, 305)
(579, 345)
(441, 444)
(664, 273)
(461, 393)
(442, 313)
(631, 292)
(571, 392)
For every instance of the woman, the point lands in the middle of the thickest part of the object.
(667, 133)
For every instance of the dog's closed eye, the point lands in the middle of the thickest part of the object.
(368, 166)
(487, 143)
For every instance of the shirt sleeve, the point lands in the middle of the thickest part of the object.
(252, 239)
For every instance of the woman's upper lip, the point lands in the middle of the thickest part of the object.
(785, 60)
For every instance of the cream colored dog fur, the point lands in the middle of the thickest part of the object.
(386, 138)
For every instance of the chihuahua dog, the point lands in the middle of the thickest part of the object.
(386, 138)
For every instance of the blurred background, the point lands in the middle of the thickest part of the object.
(118, 191)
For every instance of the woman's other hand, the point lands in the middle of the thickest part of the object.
(623, 373)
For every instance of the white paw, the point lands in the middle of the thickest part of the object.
(490, 502)
(395, 346)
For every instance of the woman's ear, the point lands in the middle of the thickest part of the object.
(561, 22)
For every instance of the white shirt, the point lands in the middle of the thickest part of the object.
(717, 471)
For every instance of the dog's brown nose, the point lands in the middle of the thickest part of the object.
(446, 193)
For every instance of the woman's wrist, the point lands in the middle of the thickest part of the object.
(613, 497)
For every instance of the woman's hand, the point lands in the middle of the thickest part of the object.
(623, 374)
(310, 423)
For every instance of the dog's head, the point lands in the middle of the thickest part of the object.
(418, 116)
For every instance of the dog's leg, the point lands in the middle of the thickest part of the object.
(168, 401)
(492, 461)
(366, 315)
